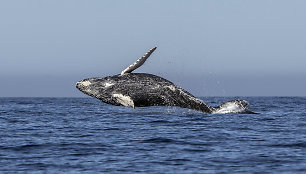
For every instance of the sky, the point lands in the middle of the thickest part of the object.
(208, 47)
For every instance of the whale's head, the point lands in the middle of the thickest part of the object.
(95, 87)
(87, 87)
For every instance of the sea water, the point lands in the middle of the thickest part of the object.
(84, 135)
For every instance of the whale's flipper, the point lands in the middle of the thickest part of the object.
(138, 63)
(124, 100)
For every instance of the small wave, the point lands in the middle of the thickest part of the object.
(112, 129)
(172, 141)
(266, 119)
(27, 147)
(301, 125)
(197, 150)
(178, 160)
(160, 121)
(158, 140)
(59, 146)
(290, 145)
(241, 128)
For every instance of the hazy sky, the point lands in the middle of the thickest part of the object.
(223, 48)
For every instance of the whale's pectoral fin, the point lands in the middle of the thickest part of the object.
(124, 100)
(139, 62)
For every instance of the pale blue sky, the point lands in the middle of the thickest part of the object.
(210, 48)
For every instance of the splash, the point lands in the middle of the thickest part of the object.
(233, 106)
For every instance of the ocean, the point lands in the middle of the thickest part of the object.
(84, 135)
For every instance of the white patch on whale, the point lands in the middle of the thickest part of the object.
(107, 84)
(124, 100)
(172, 88)
(85, 83)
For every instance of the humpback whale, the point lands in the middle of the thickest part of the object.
(142, 89)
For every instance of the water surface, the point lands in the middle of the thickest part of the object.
(77, 135)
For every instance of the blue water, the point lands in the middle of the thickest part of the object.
(83, 135)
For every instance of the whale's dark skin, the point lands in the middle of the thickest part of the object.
(143, 89)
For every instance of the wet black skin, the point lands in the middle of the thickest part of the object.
(144, 89)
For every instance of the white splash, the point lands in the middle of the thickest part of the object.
(230, 107)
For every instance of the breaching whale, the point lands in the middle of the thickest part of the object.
(141, 89)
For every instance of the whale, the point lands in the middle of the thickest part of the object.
(142, 90)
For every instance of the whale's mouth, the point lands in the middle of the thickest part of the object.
(83, 83)
(83, 86)
(79, 86)
(87, 86)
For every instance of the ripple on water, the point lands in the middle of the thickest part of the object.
(83, 135)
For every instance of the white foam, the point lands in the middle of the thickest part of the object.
(230, 107)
